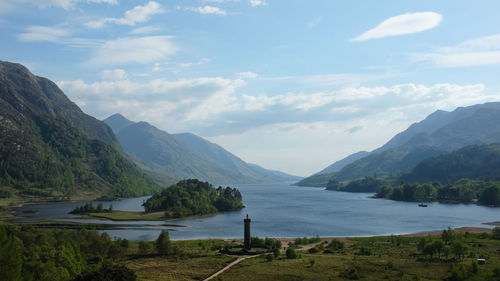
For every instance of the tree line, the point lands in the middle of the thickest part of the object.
(465, 191)
(28, 253)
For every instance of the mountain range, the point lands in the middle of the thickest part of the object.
(50, 148)
(171, 157)
(439, 133)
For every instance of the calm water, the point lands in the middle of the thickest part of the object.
(280, 210)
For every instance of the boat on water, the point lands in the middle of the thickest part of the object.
(422, 205)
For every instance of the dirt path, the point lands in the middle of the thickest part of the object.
(238, 260)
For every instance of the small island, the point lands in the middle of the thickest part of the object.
(186, 198)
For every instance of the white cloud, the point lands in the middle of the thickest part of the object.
(247, 75)
(43, 33)
(255, 3)
(219, 1)
(135, 15)
(206, 10)
(157, 67)
(114, 74)
(57, 35)
(312, 24)
(140, 50)
(403, 24)
(65, 4)
(170, 103)
(475, 52)
(145, 30)
(189, 64)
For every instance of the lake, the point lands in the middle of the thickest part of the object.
(281, 210)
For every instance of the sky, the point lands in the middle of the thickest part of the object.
(290, 85)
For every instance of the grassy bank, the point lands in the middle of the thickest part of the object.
(129, 216)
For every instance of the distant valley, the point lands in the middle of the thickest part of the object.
(171, 157)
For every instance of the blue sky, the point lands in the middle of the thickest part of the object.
(289, 85)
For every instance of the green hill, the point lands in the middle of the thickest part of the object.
(49, 148)
(478, 162)
(439, 133)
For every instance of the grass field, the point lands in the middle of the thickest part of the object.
(383, 258)
(194, 260)
(371, 258)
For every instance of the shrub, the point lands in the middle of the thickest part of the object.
(291, 253)
(270, 257)
(336, 245)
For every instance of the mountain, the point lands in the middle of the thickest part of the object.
(477, 162)
(50, 148)
(274, 174)
(117, 122)
(441, 132)
(321, 178)
(183, 156)
(338, 165)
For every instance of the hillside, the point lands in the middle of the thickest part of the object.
(471, 162)
(182, 156)
(50, 148)
(274, 174)
(439, 133)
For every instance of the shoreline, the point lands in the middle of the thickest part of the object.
(470, 229)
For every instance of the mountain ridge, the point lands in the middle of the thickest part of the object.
(440, 132)
(50, 148)
(184, 155)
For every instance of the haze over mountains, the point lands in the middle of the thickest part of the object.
(439, 133)
(180, 156)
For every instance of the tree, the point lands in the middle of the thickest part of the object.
(438, 247)
(163, 243)
(496, 233)
(421, 245)
(447, 235)
(459, 249)
(490, 196)
(10, 256)
(429, 250)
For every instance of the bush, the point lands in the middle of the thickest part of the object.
(350, 273)
(269, 257)
(314, 250)
(365, 251)
(276, 252)
(336, 245)
(109, 273)
(291, 253)
(143, 247)
(328, 251)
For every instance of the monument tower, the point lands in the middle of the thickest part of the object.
(247, 233)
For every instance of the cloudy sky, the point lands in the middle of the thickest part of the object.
(291, 85)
